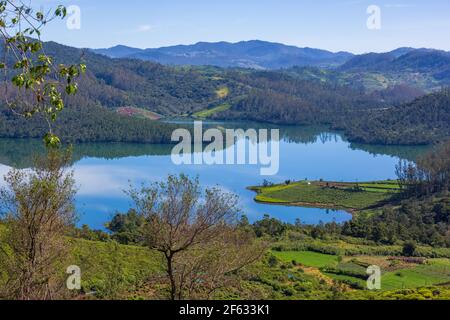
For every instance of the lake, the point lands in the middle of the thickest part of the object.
(104, 170)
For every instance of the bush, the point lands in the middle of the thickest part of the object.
(273, 262)
(409, 249)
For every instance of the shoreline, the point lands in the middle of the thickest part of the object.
(325, 193)
(316, 205)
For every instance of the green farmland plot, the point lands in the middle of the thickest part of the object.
(308, 258)
(434, 273)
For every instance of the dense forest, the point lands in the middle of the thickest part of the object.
(87, 124)
(280, 98)
(364, 118)
(422, 121)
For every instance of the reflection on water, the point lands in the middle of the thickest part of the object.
(104, 170)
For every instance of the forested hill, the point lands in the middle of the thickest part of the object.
(424, 69)
(279, 98)
(422, 121)
(402, 60)
(126, 82)
(172, 91)
(112, 83)
(364, 118)
(292, 96)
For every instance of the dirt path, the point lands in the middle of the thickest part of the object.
(315, 272)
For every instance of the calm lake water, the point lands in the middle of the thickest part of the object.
(103, 171)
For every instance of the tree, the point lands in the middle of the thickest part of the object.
(38, 211)
(409, 249)
(36, 85)
(38, 206)
(196, 232)
(431, 173)
(269, 226)
(127, 228)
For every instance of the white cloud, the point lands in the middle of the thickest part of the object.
(144, 28)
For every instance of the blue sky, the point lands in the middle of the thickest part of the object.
(336, 25)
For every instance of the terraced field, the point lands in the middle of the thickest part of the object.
(352, 270)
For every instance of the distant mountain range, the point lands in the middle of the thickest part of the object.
(256, 54)
(246, 54)
(401, 60)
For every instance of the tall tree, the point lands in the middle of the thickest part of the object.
(38, 209)
(196, 232)
(431, 173)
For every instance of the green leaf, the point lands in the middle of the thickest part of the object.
(36, 46)
(61, 11)
(71, 89)
(18, 80)
(52, 141)
(39, 16)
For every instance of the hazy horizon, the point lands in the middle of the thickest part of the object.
(327, 24)
(191, 44)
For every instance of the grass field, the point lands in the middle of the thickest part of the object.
(367, 252)
(209, 112)
(435, 272)
(307, 258)
(109, 267)
(328, 194)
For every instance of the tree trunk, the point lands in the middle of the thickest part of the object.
(173, 286)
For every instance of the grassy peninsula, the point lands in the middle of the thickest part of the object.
(333, 195)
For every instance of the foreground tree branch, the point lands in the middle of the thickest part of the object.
(32, 83)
